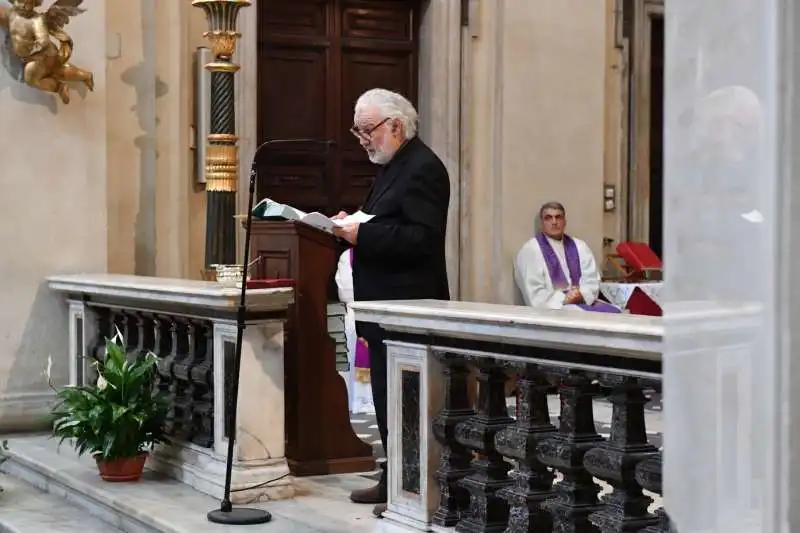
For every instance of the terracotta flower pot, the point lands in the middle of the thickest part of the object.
(125, 469)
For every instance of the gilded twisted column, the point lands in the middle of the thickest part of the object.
(222, 159)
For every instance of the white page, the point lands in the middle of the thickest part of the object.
(358, 216)
(318, 220)
(300, 214)
(268, 201)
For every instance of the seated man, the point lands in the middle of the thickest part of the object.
(556, 271)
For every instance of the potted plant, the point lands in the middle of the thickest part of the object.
(120, 419)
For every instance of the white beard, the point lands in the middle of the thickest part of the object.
(379, 157)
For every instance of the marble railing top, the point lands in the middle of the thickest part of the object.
(170, 290)
(568, 330)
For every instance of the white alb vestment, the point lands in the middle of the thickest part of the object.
(533, 278)
(359, 393)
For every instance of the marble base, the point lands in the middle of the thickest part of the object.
(413, 453)
(408, 522)
(26, 411)
(204, 470)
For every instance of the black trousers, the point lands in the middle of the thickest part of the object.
(375, 336)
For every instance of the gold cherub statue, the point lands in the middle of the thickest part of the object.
(39, 40)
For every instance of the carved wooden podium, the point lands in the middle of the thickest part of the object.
(319, 436)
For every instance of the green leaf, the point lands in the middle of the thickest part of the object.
(119, 411)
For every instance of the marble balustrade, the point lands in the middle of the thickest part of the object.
(191, 327)
(458, 461)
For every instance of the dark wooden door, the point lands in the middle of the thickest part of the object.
(315, 58)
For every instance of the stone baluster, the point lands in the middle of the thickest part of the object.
(533, 481)
(144, 323)
(170, 382)
(184, 348)
(615, 460)
(202, 376)
(454, 464)
(576, 493)
(131, 324)
(648, 475)
(182, 387)
(162, 347)
(487, 512)
(98, 347)
(117, 324)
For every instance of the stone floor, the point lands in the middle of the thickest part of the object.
(62, 488)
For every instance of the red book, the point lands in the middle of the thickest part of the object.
(640, 260)
(641, 304)
(269, 283)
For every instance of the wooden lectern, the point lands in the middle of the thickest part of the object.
(319, 436)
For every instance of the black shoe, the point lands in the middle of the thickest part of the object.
(372, 495)
(379, 510)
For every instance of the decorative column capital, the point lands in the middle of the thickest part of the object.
(222, 31)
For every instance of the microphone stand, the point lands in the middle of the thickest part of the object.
(227, 514)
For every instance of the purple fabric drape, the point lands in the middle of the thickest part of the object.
(557, 276)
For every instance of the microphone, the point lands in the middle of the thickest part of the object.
(227, 514)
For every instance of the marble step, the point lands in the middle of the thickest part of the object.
(157, 504)
(27, 509)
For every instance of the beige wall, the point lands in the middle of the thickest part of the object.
(536, 131)
(53, 166)
(615, 127)
(156, 214)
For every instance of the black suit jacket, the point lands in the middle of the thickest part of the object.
(399, 254)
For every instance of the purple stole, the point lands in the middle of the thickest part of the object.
(557, 276)
(361, 359)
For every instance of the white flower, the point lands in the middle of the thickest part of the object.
(117, 336)
(102, 383)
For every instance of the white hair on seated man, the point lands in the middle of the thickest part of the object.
(393, 106)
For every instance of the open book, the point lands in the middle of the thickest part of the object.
(267, 209)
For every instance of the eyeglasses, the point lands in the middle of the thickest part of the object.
(366, 134)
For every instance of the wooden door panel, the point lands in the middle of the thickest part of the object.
(294, 176)
(357, 177)
(300, 111)
(363, 70)
(295, 179)
(296, 17)
(378, 20)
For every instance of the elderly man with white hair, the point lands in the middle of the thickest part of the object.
(399, 253)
